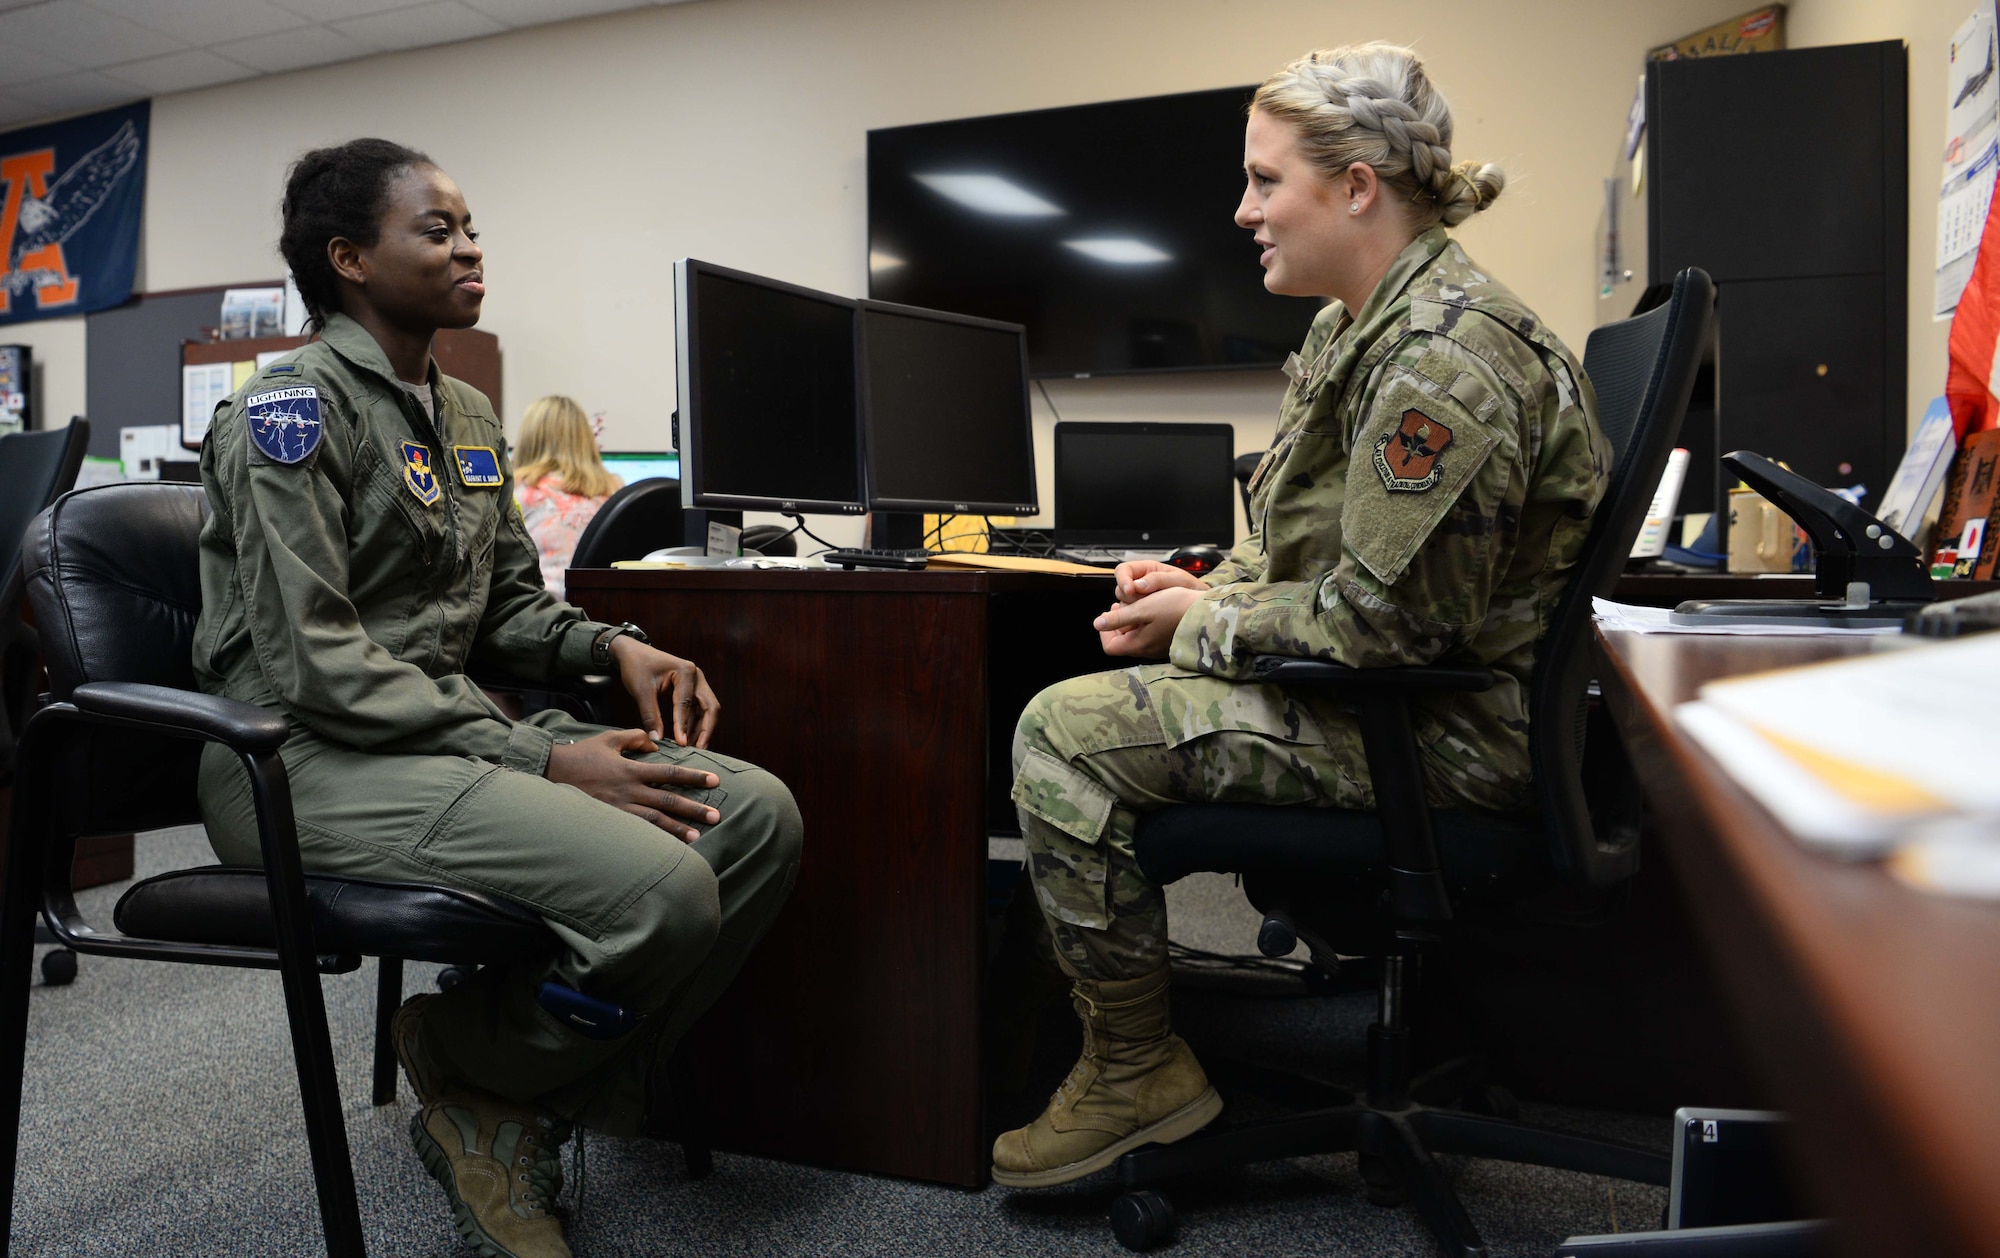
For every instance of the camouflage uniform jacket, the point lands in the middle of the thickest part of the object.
(1437, 463)
(358, 557)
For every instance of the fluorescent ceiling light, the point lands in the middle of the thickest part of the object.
(990, 194)
(1121, 250)
(879, 261)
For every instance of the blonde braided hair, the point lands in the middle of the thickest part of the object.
(1373, 103)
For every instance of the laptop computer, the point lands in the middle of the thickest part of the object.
(1141, 489)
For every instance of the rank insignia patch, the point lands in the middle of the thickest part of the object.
(478, 466)
(1410, 458)
(418, 473)
(285, 423)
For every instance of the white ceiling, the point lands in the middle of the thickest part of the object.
(66, 56)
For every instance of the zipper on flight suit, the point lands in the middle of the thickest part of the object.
(426, 429)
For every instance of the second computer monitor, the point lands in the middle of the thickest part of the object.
(946, 413)
(1145, 485)
(767, 394)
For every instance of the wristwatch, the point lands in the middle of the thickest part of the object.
(600, 650)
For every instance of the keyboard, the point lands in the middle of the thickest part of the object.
(860, 557)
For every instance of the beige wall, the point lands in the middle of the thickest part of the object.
(1927, 27)
(595, 152)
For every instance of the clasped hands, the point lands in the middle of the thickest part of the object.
(1152, 598)
(601, 766)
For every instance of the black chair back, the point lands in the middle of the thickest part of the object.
(114, 579)
(36, 468)
(1643, 372)
(642, 517)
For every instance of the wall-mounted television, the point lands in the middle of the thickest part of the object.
(1107, 230)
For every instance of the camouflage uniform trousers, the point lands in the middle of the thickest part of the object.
(1092, 753)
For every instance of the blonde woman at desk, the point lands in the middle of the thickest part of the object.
(560, 481)
(1436, 467)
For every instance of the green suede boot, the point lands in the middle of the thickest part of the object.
(1137, 1083)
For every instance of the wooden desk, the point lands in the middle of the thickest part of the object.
(887, 702)
(1872, 1011)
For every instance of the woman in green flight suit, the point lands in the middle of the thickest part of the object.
(362, 555)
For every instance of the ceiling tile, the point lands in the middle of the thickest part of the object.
(179, 71)
(83, 36)
(72, 92)
(18, 65)
(537, 12)
(205, 22)
(294, 50)
(443, 22)
(339, 10)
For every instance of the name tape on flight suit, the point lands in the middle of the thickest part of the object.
(418, 474)
(285, 423)
(478, 466)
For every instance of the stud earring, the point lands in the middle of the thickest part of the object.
(1354, 207)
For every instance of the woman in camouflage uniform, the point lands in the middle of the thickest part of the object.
(1437, 463)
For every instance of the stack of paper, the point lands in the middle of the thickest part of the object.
(1871, 754)
(1656, 620)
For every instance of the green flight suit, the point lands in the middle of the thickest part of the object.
(1436, 467)
(360, 557)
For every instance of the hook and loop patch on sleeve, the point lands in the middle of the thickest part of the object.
(285, 424)
(1410, 459)
(1419, 450)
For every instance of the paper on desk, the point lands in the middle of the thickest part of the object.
(1016, 563)
(1656, 620)
(1853, 754)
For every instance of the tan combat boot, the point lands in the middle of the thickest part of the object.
(498, 1164)
(1137, 1083)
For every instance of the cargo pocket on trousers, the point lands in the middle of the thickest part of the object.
(1066, 857)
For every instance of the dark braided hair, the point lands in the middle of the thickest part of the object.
(331, 192)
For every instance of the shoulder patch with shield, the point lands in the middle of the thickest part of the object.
(1410, 458)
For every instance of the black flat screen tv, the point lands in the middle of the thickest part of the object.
(1107, 230)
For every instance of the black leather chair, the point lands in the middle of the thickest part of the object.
(643, 517)
(1388, 883)
(36, 468)
(113, 581)
(1242, 470)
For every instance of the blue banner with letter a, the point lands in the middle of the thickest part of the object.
(70, 197)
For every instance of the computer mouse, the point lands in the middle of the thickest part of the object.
(1200, 560)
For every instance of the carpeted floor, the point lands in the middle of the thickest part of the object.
(161, 1117)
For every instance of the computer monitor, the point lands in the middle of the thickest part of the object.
(768, 417)
(633, 467)
(945, 413)
(1144, 484)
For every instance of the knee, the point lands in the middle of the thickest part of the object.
(770, 815)
(675, 922)
(1032, 730)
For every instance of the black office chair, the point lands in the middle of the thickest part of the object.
(1243, 469)
(36, 468)
(113, 581)
(643, 517)
(1386, 883)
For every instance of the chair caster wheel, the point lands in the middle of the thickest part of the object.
(1493, 1101)
(1140, 1220)
(1379, 1177)
(451, 976)
(59, 967)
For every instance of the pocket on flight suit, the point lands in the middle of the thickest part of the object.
(1069, 867)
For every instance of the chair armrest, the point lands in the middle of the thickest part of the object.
(585, 698)
(1403, 679)
(243, 727)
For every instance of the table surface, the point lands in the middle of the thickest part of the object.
(1872, 1010)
